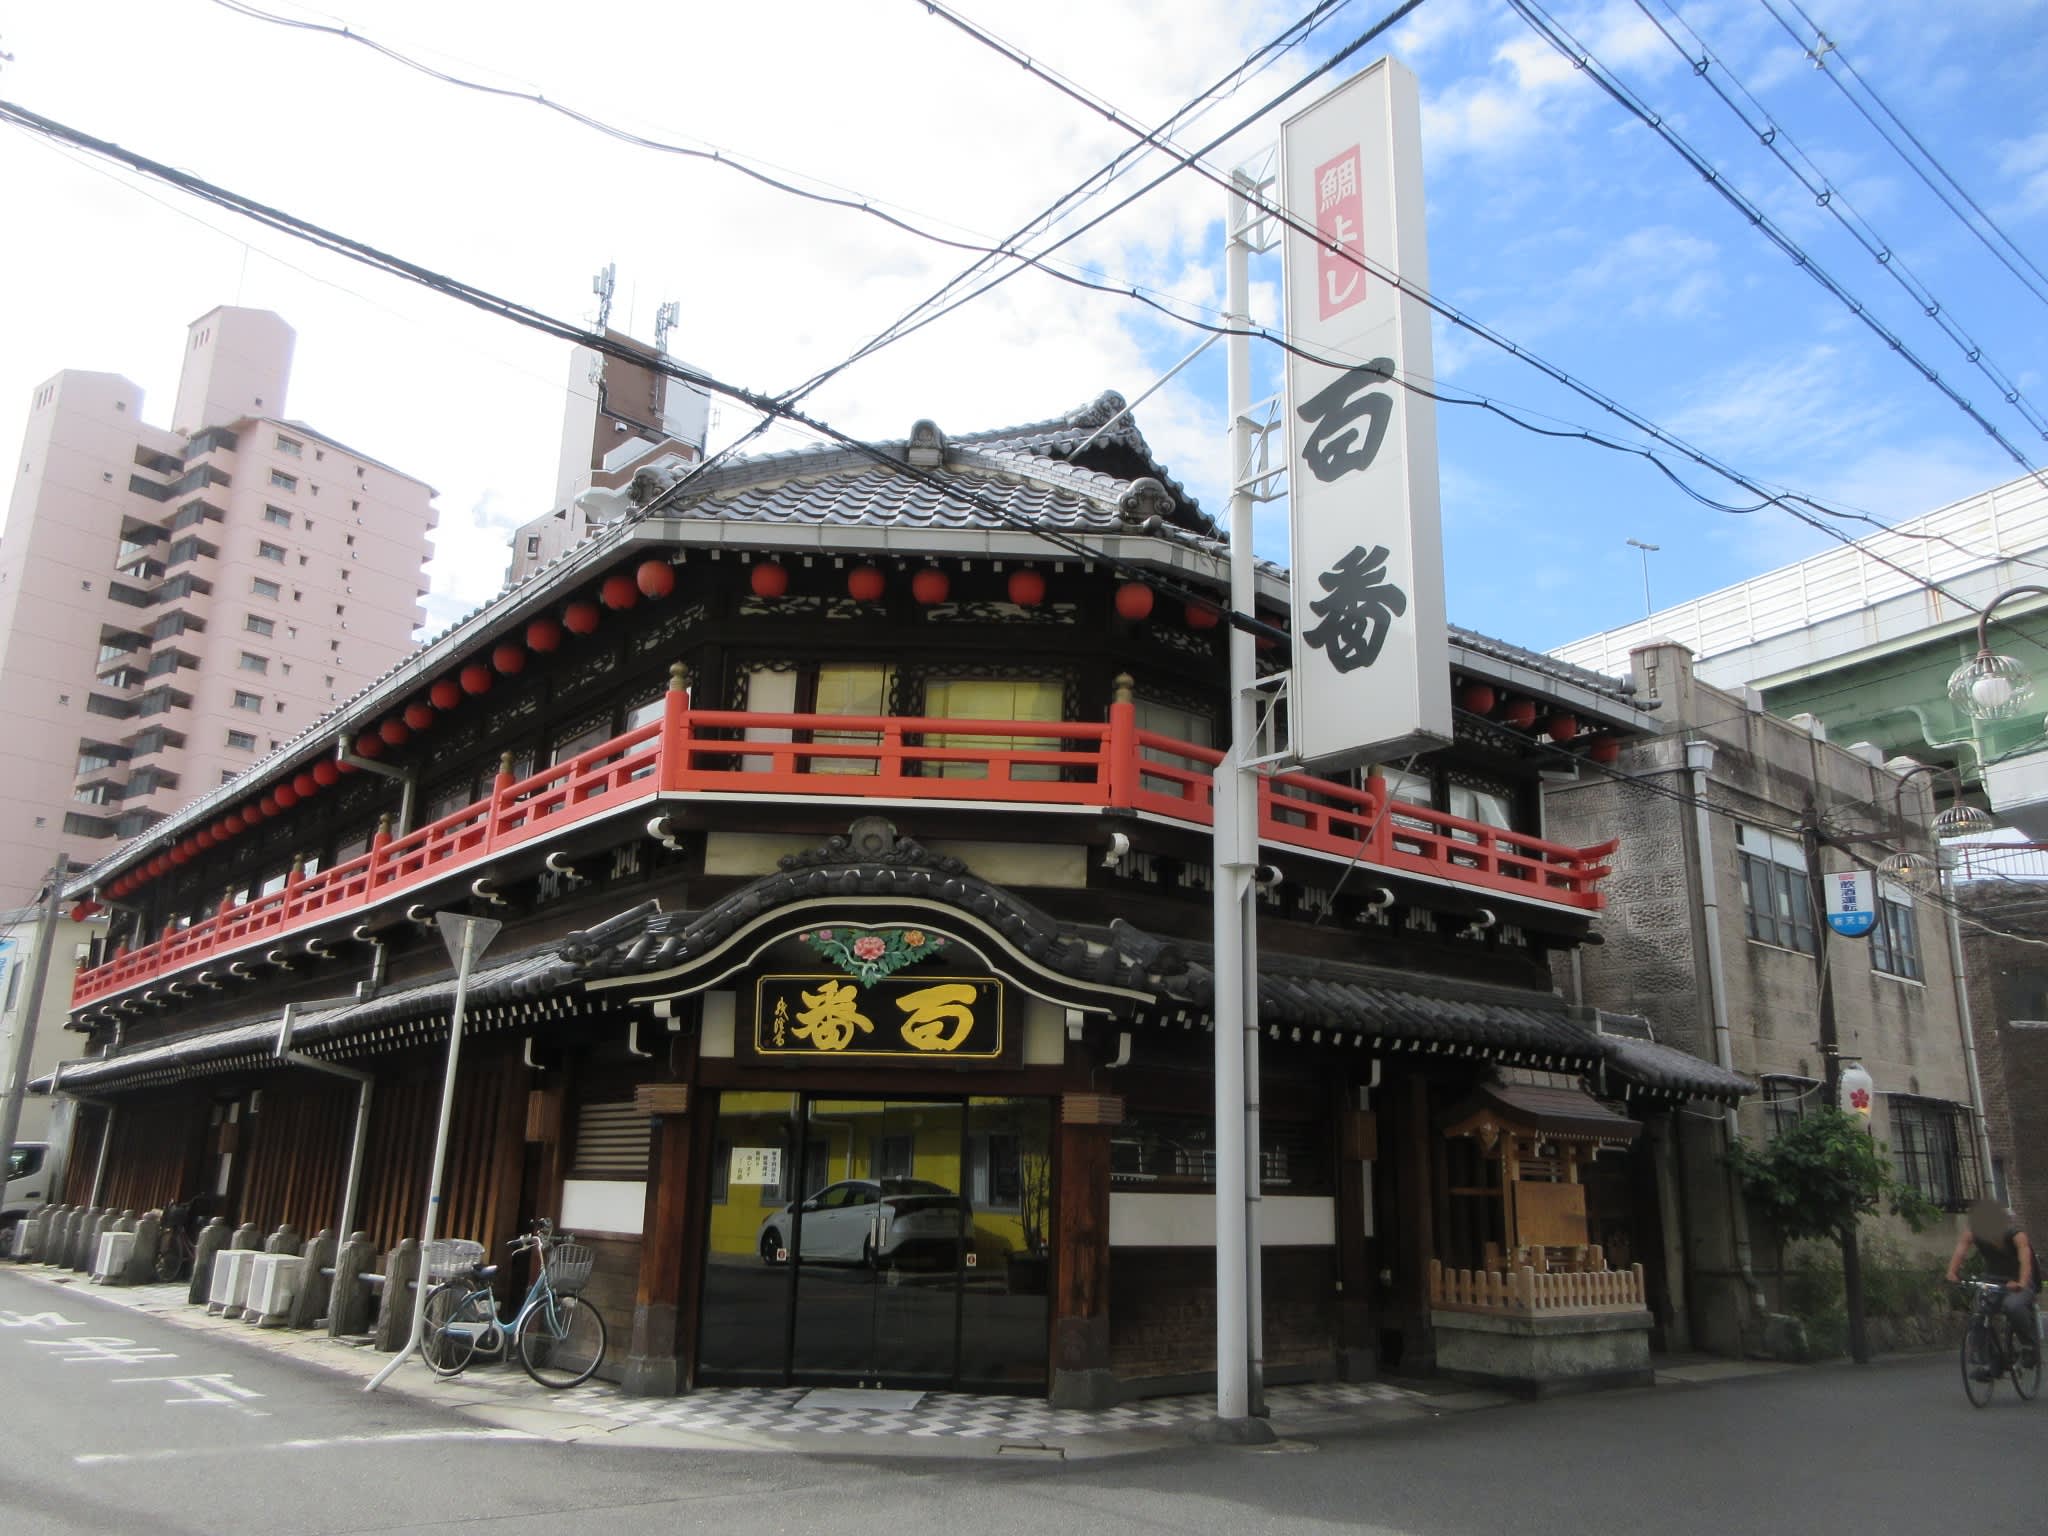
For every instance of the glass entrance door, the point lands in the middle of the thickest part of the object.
(878, 1242)
(880, 1246)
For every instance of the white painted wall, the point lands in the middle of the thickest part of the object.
(1189, 1221)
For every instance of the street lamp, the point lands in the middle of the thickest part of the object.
(1648, 550)
(1989, 686)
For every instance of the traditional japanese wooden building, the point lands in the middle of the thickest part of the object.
(852, 845)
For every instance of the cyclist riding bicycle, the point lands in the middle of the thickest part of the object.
(2008, 1257)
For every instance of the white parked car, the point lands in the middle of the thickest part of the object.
(872, 1221)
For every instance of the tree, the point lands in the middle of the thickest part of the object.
(1822, 1174)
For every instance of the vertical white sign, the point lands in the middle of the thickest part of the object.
(1371, 654)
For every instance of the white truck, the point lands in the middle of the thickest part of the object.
(33, 1171)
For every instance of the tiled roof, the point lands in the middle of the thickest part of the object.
(1662, 1071)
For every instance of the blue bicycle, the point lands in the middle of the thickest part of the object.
(559, 1337)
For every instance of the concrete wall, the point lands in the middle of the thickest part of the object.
(1653, 961)
(2009, 1015)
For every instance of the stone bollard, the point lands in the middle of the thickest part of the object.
(60, 1237)
(88, 1242)
(141, 1266)
(80, 1234)
(247, 1235)
(212, 1238)
(394, 1316)
(60, 1250)
(43, 1223)
(348, 1301)
(285, 1239)
(310, 1299)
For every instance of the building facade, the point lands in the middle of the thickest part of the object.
(849, 821)
(623, 414)
(177, 601)
(1713, 934)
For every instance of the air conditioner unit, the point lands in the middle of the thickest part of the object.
(273, 1286)
(112, 1256)
(228, 1291)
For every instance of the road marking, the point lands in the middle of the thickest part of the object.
(103, 1349)
(217, 1387)
(402, 1437)
(36, 1320)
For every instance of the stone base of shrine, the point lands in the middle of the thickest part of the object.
(1544, 1356)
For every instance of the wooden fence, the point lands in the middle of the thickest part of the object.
(1523, 1292)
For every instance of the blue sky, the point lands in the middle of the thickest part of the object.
(1553, 217)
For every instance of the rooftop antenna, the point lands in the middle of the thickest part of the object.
(604, 285)
(665, 319)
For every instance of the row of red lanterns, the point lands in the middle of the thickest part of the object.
(1559, 725)
(619, 591)
(930, 586)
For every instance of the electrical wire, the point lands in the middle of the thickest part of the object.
(1568, 47)
(1818, 51)
(1772, 136)
(1281, 216)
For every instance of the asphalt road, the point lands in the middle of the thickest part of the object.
(113, 1421)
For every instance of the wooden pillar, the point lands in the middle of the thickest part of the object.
(653, 1363)
(1417, 1228)
(1081, 1376)
(1357, 1147)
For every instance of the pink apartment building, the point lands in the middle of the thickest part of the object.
(175, 602)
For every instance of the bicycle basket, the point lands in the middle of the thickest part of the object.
(569, 1267)
(449, 1257)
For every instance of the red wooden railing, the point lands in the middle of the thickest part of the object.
(738, 753)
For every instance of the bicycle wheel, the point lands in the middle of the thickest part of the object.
(172, 1258)
(448, 1336)
(2026, 1379)
(1977, 1363)
(561, 1341)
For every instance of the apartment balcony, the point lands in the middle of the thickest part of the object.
(737, 757)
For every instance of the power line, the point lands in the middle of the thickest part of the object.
(563, 330)
(1570, 48)
(1826, 195)
(1819, 51)
(1792, 504)
(923, 313)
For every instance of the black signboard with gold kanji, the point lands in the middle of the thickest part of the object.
(905, 1019)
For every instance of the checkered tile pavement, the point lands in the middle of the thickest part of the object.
(772, 1410)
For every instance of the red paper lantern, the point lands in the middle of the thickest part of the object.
(1027, 588)
(476, 678)
(305, 786)
(326, 773)
(509, 657)
(394, 732)
(655, 578)
(1605, 749)
(1478, 698)
(865, 583)
(269, 804)
(445, 694)
(369, 744)
(1521, 714)
(1134, 600)
(618, 592)
(1202, 615)
(543, 635)
(205, 839)
(1562, 727)
(344, 766)
(581, 618)
(236, 822)
(287, 797)
(419, 714)
(768, 579)
(180, 854)
(930, 586)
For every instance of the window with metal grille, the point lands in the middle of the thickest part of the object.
(1934, 1148)
(612, 1141)
(1178, 1152)
(1895, 941)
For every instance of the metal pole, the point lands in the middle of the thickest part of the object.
(1646, 549)
(1235, 857)
(32, 1008)
(1947, 886)
(1831, 1063)
(464, 961)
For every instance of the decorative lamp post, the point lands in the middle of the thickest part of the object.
(1990, 686)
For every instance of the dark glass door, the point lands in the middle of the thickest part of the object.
(878, 1242)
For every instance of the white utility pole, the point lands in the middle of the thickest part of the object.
(31, 1011)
